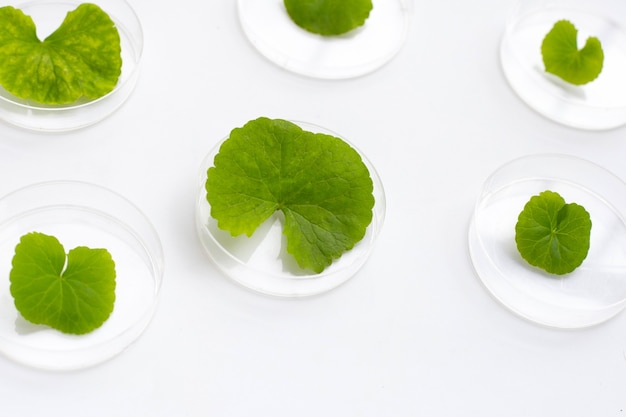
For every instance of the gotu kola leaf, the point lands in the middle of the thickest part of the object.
(82, 58)
(328, 17)
(562, 57)
(74, 293)
(552, 234)
(318, 181)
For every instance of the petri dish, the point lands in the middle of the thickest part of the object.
(598, 105)
(271, 31)
(80, 214)
(47, 16)
(261, 263)
(591, 294)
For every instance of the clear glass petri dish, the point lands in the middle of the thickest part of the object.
(598, 105)
(271, 31)
(48, 15)
(591, 294)
(80, 214)
(261, 263)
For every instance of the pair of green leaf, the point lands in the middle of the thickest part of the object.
(73, 293)
(328, 17)
(562, 57)
(552, 234)
(318, 181)
(82, 58)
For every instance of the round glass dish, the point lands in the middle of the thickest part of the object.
(272, 32)
(80, 214)
(600, 104)
(261, 263)
(48, 15)
(592, 293)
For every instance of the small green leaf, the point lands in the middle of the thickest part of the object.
(329, 17)
(73, 294)
(562, 57)
(82, 58)
(318, 181)
(553, 235)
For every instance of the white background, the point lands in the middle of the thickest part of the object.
(414, 333)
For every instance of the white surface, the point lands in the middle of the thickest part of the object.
(414, 333)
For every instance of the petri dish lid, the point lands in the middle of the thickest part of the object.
(271, 31)
(80, 214)
(591, 294)
(598, 105)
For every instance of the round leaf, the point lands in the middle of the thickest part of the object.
(82, 58)
(553, 235)
(562, 58)
(328, 17)
(318, 181)
(73, 294)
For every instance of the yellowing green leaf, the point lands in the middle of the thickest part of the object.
(82, 58)
(317, 181)
(562, 57)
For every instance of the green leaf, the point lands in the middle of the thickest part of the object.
(562, 57)
(329, 17)
(318, 181)
(553, 235)
(73, 294)
(82, 58)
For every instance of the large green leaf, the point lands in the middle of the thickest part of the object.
(553, 235)
(82, 58)
(73, 294)
(318, 181)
